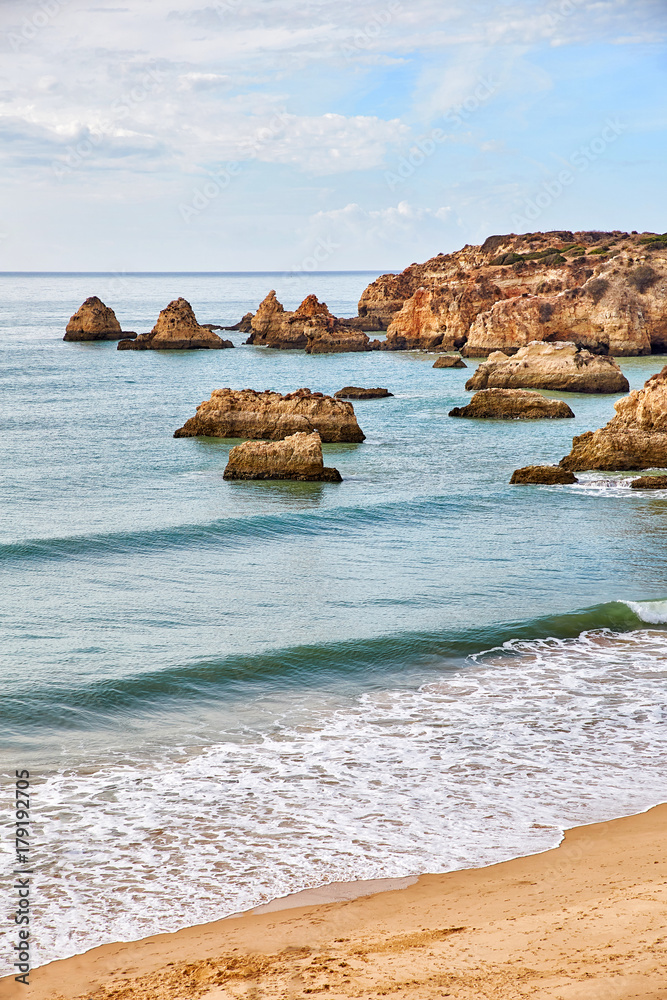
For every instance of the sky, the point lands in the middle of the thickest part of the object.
(301, 135)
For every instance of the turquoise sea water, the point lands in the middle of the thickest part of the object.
(229, 691)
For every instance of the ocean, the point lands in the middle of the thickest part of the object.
(229, 691)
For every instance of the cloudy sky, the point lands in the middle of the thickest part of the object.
(337, 134)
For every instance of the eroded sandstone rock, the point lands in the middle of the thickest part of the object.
(549, 475)
(94, 321)
(605, 291)
(298, 456)
(512, 404)
(450, 361)
(356, 392)
(310, 327)
(176, 329)
(636, 438)
(649, 483)
(561, 367)
(245, 413)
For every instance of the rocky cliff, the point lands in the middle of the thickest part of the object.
(606, 291)
(176, 329)
(94, 321)
(298, 456)
(636, 438)
(245, 413)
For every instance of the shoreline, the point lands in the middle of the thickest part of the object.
(581, 921)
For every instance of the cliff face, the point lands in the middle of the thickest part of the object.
(604, 291)
(94, 321)
(636, 438)
(298, 456)
(176, 329)
(245, 413)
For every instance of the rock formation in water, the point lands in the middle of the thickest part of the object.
(560, 367)
(548, 475)
(244, 325)
(450, 361)
(298, 456)
(356, 392)
(310, 327)
(636, 438)
(512, 404)
(176, 329)
(605, 291)
(649, 483)
(245, 413)
(94, 321)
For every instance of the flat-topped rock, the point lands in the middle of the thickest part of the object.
(560, 367)
(176, 329)
(450, 361)
(512, 404)
(636, 438)
(649, 483)
(94, 321)
(547, 475)
(298, 456)
(356, 392)
(246, 413)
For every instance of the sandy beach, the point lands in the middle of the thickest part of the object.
(585, 921)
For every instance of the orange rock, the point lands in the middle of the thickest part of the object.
(298, 456)
(94, 321)
(176, 329)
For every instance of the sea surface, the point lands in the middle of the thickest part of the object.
(229, 691)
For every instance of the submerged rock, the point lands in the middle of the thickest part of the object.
(450, 361)
(245, 413)
(356, 392)
(636, 438)
(561, 367)
(512, 404)
(649, 483)
(298, 456)
(176, 329)
(548, 475)
(94, 321)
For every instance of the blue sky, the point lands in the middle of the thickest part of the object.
(270, 134)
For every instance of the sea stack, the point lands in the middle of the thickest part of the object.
(246, 413)
(298, 457)
(512, 404)
(94, 321)
(636, 438)
(176, 329)
(560, 367)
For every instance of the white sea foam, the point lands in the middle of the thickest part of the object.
(473, 768)
(652, 612)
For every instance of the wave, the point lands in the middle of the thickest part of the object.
(228, 531)
(394, 655)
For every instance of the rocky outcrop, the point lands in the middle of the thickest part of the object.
(311, 327)
(176, 329)
(649, 483)
(356, 392)
(560, 367)
(604, 291)
(450, 361)
(245, 413)
(94, 321)
(298, 456)
(636, 438)
(244, 325)
(548, 475)
(512, 404)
